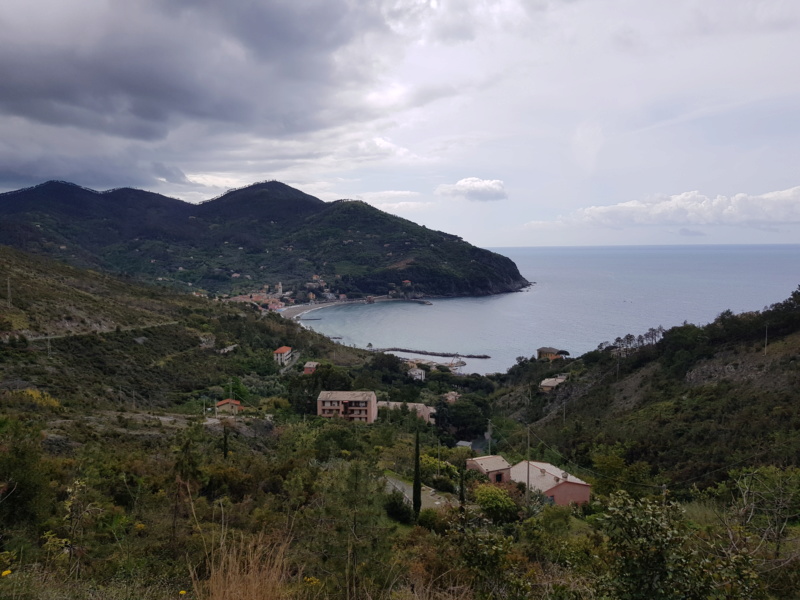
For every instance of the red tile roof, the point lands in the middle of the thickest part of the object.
(283, 350)
(228, 401)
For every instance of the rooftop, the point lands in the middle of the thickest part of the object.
(228, 401)
(492, 462)
(543, 476)
(347, 396)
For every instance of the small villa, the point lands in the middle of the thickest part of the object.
(416, 374)
(551, 383)
(282, 355)
(229, 406)
(550, 353)
(495, 467)
(310, 367)
(559, 486)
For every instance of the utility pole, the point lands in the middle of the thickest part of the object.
(528, 465)
(8, 294)
(490, 435)
(766, 334)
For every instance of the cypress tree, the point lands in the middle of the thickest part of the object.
(417, 491)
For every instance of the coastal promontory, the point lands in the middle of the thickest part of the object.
(250, 238)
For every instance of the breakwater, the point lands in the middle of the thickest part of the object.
(428, 353)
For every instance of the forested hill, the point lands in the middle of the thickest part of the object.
(684, 405)
(247, 238)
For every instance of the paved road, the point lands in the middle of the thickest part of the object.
(430, 499)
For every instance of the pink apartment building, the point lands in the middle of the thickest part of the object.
(361, 407)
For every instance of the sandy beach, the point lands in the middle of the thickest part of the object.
(293, 312)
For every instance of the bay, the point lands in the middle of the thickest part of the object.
(581, 297)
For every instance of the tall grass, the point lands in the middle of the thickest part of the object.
(246, 569)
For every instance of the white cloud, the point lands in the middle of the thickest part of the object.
(474, 188)
(694, 208)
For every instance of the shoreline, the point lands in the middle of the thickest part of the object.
(295, 312)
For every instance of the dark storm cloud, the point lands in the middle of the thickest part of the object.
(169, 174)
(270, 66)
(93, 170)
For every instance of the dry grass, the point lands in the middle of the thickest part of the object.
(246, 569)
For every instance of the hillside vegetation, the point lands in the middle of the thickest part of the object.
(118, 482)
(685, 405)
(255, 236)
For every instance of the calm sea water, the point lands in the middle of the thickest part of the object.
(582, 297)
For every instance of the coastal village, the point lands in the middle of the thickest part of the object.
(312, 293)
(363, 407)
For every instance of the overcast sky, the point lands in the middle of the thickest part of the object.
(508, 122)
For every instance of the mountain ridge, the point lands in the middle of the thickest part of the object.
(247, 238)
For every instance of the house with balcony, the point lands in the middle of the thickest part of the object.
(282, 355)
(359, 407)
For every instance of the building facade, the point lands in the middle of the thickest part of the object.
(282, 355)
(360, 407)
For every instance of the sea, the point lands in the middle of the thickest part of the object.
(579, 297)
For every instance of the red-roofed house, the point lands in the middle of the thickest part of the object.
(229, 406)
(496, 468)
(555, 483)
(282, 355)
